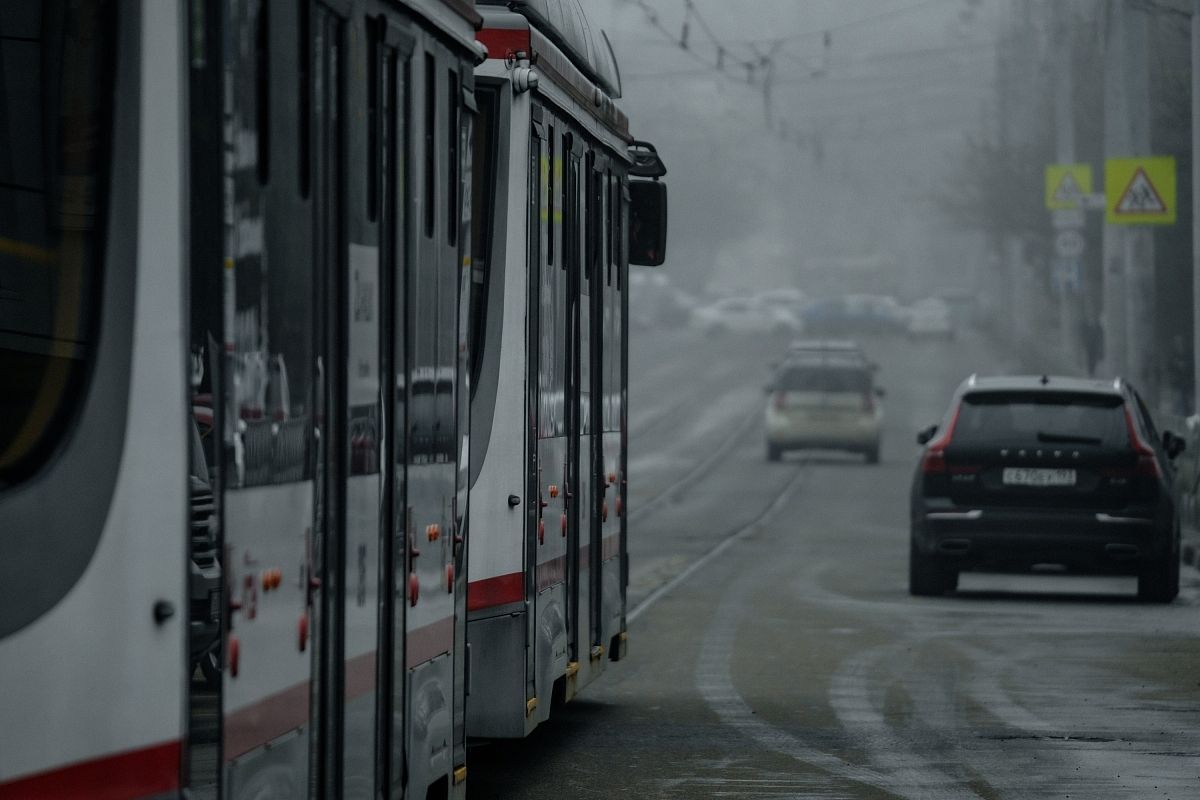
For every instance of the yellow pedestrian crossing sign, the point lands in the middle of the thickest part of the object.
(1140, 191)
(1066, 185)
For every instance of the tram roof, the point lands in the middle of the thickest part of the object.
(564, 23)
(570, 55)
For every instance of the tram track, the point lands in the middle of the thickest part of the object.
(648, 505)
(724, 542)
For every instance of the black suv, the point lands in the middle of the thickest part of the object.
(1029, 472)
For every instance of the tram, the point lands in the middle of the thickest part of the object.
(249, 258)
(231, 245)
(556, 171)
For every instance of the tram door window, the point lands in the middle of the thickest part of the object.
(330, 393)
(206, 242)
(537, 385)
(394, 236)
(574, 264)
(482, 159)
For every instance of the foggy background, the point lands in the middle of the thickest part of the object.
(898, 147)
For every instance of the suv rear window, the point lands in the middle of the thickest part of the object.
(823, 379)
(1041, 419)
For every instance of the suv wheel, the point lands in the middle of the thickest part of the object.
(928, 577)
(1158, 581)
(872, 454)
(774, 452)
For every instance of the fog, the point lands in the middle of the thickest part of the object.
(899, 147)
(844, 160)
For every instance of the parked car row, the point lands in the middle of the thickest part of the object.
(788, 311)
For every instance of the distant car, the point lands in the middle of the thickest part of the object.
(789, 299)
(1030, 473)
(930, 318)
(824, 401)
(745, 315)
(854, 314)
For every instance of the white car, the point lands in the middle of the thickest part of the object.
(745, 315)
(930, 318)
(827, 402)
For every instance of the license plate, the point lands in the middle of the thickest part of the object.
(1027, 476)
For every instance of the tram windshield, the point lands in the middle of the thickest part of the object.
(55, 129)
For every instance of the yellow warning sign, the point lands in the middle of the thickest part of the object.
(1066, 184)
(1140, 191)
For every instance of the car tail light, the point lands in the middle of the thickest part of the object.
(1147, 462)
(868, 401)
(780, 398)
(934, 460)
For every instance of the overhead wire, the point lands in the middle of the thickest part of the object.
(760, 67)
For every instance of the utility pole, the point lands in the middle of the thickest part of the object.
(1195, 206)
(1128, 250)
(1139, 241)
(1015, 124)
(1064, 140)
(1117, 142)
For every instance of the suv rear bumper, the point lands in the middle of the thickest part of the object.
(854, 433)
(1004, 540)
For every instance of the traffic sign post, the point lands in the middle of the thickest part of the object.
(1069, 244)
(1067, 185)
(1140, 191)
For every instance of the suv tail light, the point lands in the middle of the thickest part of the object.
(868, 401)
(934, 460)
(1147, 461)
(780, 399)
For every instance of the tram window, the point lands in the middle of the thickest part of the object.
(305, 105)
(374, 76)
(452, 132)
(552, 220)
(483, 192)
(262, 91)
(613, 244)
(56, 124)
(430, 141)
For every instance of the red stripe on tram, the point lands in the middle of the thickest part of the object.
(503, 42)
(136, 773)
(498, 591)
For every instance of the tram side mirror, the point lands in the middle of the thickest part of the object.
(928, 433)
(647, 223)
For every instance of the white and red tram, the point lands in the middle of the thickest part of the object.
(547, 553)
(236, 573)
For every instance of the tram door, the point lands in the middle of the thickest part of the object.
(587, 554)
(575, 264)
(551, 339)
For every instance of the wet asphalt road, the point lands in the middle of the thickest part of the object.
(775, 651)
